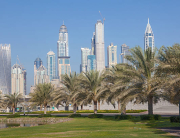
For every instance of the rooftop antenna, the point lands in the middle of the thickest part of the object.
(102, 17)
(63, 22)
(148, 20)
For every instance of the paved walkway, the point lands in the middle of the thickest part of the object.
(172, 130)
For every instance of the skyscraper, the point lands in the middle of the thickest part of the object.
(40, 74)
(91, 62)
(84, 54)
(99, 46)
(124, 52)
(63, 52)
(51, 65)
(18, 79)
(112, 55)
(5, 69)
(93, 44)
(149, 37)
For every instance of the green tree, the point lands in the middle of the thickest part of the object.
(169, 71)
(92, 87)
(12, 100)
(67, 93)
(42, 95)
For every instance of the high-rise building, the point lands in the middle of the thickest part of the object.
(93, 44)
(91, 62)
(63, 52)
(124, 52)
(99, 46)
(112, 55)
(84, 54)
(149, 37)
(40, 74)
(51, 65)
(18, 79)
(5, 69)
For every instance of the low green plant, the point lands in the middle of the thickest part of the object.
(74, 115)
(123, 117)
(150, 117)
(44, 115)
(95, 116)
(13, 116)
(174, 119)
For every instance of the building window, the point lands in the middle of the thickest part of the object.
(66, 61)
(60, 61)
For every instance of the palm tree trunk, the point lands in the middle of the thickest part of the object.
(98, 104)
(13, 110)
(82, 107)
(179, 108)
(150, 105)
(119, 108)
(74, 108)
(95, 107)
(40, 107)
(44, 109)
(123, 109)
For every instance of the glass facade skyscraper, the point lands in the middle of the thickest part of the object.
(40, 74)
(149, 37)
(18, 79)
(63, 59)
(112, 55)
(93, 44)
(124, 52)
(5, 69)
(84, 54)
(99, 46)
(51, 66)
(91, 62)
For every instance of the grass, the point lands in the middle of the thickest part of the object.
(79, 111)
(106, 127)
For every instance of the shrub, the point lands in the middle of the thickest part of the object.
(44, 115)
(157, 117)
(74, 115)
(147, 117)
(13, 116)
(175, 119)
(123, 117)
(95, 116)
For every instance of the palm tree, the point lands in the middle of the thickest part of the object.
(93, 87)
(145, 66)
(169, 69)
(67, 93)
(42, 95)
(12, 100)
(123, 88)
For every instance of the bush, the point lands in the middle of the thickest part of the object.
(74, 115)
(147, 117)
(175, 119)
(157, 117)
(44, 115)
(123, 117)
(95, 116)
(13, 116)
(150, 117)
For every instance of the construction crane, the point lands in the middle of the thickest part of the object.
(102, 17)
(20, 62)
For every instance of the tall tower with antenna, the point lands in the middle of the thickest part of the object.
(63, 59)
(149, 37)
(99, 45)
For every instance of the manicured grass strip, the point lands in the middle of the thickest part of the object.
(106, 127)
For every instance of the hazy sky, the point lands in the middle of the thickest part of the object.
(32, 26)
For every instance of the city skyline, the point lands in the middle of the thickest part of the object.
(121, 26)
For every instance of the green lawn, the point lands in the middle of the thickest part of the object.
(105, 127)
